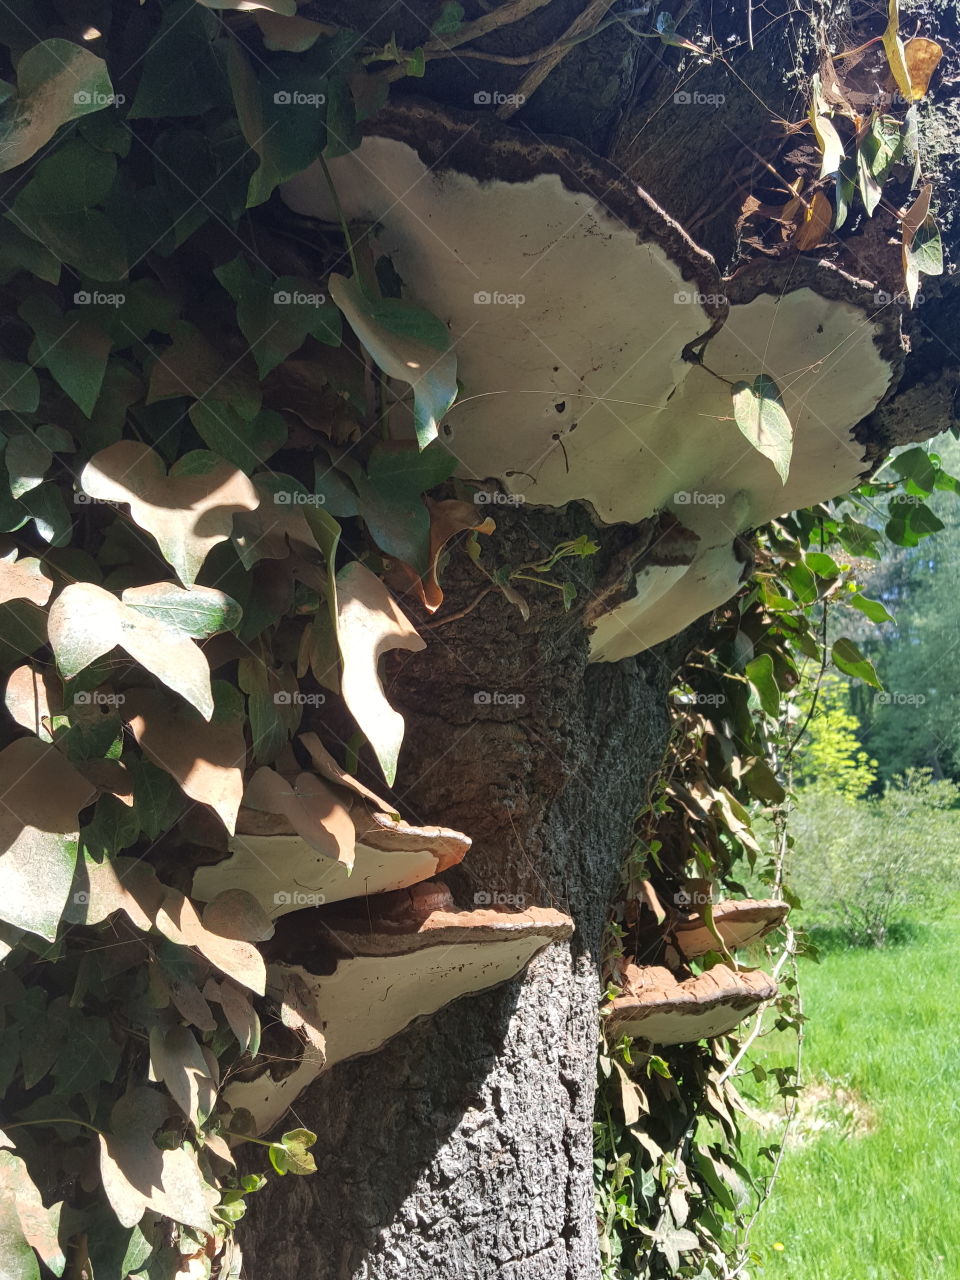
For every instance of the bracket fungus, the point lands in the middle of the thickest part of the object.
(597, 346)
(738, 923)
(377, 966)
(658, 1007)
(319, 838)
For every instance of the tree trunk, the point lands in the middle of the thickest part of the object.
(463, 1149)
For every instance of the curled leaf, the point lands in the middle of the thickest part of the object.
(369, 624)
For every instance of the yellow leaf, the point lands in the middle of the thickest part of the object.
(921, 57)
(893, 46)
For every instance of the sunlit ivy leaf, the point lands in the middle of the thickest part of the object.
(761, 417)
(875, 610)
(57, 81)
(177, 1062)
(287, 8)
(922, 58)
(369, 624)
(199, 612)
(24, 579)
(848, 659)
(41, 796)
(292, 1153)
(879, 150)
(831, 148)
(25, 1224)
(188, 511)
(206, 757)
(137, 1175)
(287, 34)
(86, 622)
(407, 343)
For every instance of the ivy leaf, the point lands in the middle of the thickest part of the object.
(188, 511)
(848, 659)
(59, 207)
(72, 345)
(922, 245)
(407, 343)
(880, 149)
(761, 675)
(177, 1062)
(369, 624)
(450, 19)
(86, 622)
(41, 795)
(198, 612)
(25, 1224)
(27, 459)
(57, 81)
(277, 316)
(246, 442)
(287, 8)
(181, 75)
(282, 122)
(205, 756)
(761, 417)
(292, 1153)
(831, 148)
(19, 387)
(875, 610)
(137, 1175)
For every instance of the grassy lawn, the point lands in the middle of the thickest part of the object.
(872, 1189)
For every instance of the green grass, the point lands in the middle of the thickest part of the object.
(882, 1204)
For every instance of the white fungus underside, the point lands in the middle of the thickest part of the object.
(593, 356)
(268, 866)
(369, 999)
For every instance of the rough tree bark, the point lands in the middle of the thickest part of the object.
(463, 1148)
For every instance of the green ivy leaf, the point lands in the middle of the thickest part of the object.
(72, 345)
(760, 673)
(848, 659)
(181, 74)
(875, 610)
(407, 343)
(57, 81)
(277, 316)
(761, 417)
(450, 19)
(19, 387)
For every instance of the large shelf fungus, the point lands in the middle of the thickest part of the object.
(597, 345)
(375, 967)
(657, 1006)
(311, 839)
(738, 923)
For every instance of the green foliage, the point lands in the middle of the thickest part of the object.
(832, 754)
(866, 864)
